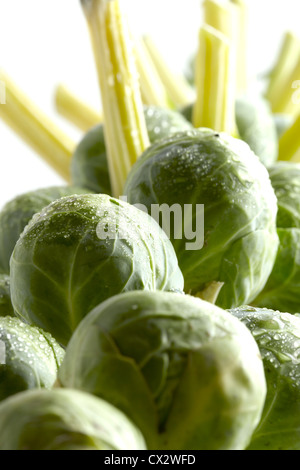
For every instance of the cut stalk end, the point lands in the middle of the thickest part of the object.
(211, 292)
(125, 128)
(215, 103)
(242, 21)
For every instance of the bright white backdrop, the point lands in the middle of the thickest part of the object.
(43, 43)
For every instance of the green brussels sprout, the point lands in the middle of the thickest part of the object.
(6, 308)
(29, 357)
(162, 122)
(278, 337)
(256, 126)
(187, 112)
(282, 123)
(202, 167)
(81, 250)
(61, 419)
(89, 166)
(189, 71)
(16, 214)
(186, 372)
(282, 291)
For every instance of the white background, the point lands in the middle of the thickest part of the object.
(45, 42)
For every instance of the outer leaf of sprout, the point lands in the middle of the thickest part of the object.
(125, 128)
(80, 250)
(75, 110)
(63, 419)
(178, 88)
(17, 213)
(89, 168)
(240, 238)
(281, 291)
(32, 357)
(36, 129)
(6, 308)
(187, 373)
(256, 126)
(277, 335)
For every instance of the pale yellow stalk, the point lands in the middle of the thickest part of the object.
(215, 102)
(281, 78)
(289, 143)
(242, 45)
(25, 118)
(152, 88)
(179, 90)
(76, 110)
(287, 101)
(221, 16)
(126, 133)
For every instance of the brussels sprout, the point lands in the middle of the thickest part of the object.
(256, 126)
(6, 308)
(163, 122)
(89, 166)
(187, 112)
(282, 123)
(62, 419)
(81, 250)
(29, 357)
(282, 291)
(201, 167)
(278, 337)
(186, 372)
(16, 214)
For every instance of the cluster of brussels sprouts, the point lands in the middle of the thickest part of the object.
(104, 315)
(120, 332)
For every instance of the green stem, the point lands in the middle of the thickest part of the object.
(36, 129)
(125, 128)
(211, 292)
